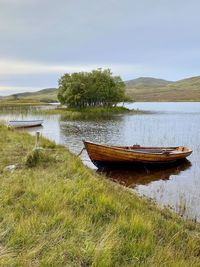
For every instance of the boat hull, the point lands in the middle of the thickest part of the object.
(108, 165)
(104, 155)
(25, 124)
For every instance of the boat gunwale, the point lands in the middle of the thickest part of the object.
(123, 148)
(25, 124)
(25, 121)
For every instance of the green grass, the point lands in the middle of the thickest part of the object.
(56, 212)
(89, 113)
(21, 102)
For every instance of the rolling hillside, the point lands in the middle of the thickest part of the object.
(151, 89)
(44, 95)
(147, 82)
(140, 89)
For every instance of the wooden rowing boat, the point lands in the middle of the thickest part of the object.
(113, 156)
(25, 123)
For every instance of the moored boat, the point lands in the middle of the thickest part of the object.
(25, 123)
(114, 156)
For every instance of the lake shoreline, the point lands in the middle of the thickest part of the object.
(24, 102)
(51, 201)
(168, 125)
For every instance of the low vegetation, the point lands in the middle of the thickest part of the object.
(20, 102)
(89, 113)
(56, 212)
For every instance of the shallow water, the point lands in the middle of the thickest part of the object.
(172, 124)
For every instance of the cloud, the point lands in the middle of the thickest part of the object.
(13, 67)
(140, 37)
(19, 76)
(8, 90)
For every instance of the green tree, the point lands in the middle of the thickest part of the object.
(91, 89)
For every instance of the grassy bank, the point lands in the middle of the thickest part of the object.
(90, 113)
(21, 102)
(56, 212)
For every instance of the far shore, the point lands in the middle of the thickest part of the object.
(73, 113)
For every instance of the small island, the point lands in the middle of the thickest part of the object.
(91, 95)
(97, 88)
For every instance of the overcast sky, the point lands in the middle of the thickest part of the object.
(42, 39)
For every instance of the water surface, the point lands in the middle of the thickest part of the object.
(172, 124)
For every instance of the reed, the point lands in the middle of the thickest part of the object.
(21, 102)
(89, 113)
(57, 212)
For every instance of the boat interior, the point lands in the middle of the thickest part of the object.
(157, 150)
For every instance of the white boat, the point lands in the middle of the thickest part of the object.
(25, 123)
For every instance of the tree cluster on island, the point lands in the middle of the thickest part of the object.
(98, 88)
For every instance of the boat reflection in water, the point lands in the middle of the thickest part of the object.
(144, 175)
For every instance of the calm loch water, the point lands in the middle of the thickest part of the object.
(170, 124)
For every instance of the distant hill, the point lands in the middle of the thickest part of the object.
(151, 89)
(44, 95)
(140, 89)
(147, 82)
